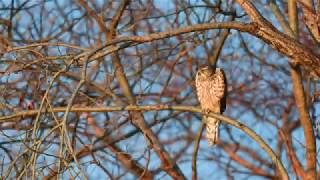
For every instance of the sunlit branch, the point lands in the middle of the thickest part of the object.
(224, 119)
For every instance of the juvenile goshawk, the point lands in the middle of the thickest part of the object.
(211, 89)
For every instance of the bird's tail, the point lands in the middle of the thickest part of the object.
(212, 127)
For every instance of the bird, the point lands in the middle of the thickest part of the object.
(211, 88)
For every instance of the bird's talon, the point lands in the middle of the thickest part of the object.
(206, 111)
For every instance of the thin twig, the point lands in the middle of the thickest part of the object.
(195, 151)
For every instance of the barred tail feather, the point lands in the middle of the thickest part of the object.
(212, 128)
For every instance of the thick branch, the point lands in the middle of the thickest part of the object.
(261, 29)
(286, 45)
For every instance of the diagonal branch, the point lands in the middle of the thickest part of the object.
(297, 52)
(168, 165)
(299, 55)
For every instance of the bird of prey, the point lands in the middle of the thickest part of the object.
(211, 87)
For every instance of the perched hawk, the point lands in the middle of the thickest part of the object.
(211, 89)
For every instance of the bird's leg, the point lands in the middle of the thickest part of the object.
(205, 116)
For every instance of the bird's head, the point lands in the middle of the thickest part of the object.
(206, 71)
